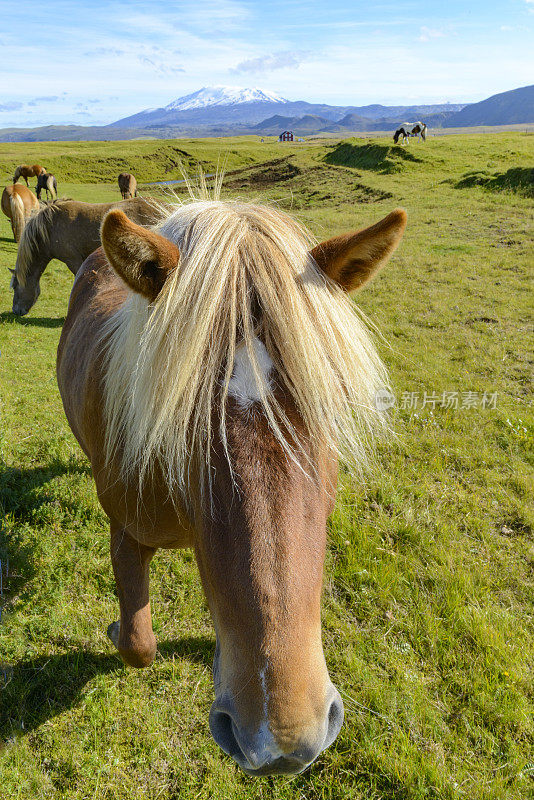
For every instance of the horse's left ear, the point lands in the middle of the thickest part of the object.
(142, 258)
(354, 258)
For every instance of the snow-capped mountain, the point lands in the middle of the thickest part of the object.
(222, 96)
(215, 110)
(213, 105)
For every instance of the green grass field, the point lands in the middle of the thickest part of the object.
(429, 583)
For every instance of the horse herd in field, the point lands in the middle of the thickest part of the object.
(66, 229)
(19, 203)
(214, 371)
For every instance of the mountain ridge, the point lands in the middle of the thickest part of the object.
(225, 114)
(516, 105)
(217, 105)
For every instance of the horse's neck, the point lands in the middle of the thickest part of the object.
(40, 259)
(72, 238)
(61, 236)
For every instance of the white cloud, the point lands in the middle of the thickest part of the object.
(430, 33)
(104, 51)
(12, 106)
(283, 60)
(36, 101)
(159, 66)
(214, 15)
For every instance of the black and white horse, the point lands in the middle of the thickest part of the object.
(408, 129)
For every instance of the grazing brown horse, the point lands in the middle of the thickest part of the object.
(26, 172)
(213, 370)
(18, 202)
(68, 230)
(48, 182)
(127, 185)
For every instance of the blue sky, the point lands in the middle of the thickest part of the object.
(93, 62)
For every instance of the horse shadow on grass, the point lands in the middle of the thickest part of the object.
(36, 690)
(22, 492)
(519, 180)
(40, 322)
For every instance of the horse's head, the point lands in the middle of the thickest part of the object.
(261, 534)
(32, 257)
(25, 295)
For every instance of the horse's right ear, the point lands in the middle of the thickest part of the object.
(142, 258)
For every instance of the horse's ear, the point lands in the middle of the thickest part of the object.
(142, 258)
(354, 258)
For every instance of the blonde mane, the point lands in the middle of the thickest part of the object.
(245, 273)
(35, 236)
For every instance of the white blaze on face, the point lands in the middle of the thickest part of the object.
(244, 386)
(266, 738)
(263, 679)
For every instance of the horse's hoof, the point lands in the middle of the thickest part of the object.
(113, 632)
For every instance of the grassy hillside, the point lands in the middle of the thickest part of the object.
(429, 583)
(101, 162)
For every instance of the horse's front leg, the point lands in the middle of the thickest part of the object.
(132, 636)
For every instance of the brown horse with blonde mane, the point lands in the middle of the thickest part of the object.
(214, 370)
(18, 203)
(24, 171)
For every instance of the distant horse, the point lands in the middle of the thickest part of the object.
(18, 202)
(408, 129)
(69, 231)
(213, 370)
(48, 182)
(26, 172)
(127, 185)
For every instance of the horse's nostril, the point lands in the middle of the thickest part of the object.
(336, 714)
(258, 761)
(221, 727)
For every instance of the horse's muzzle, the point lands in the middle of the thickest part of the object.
(259, 753)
